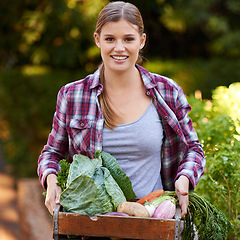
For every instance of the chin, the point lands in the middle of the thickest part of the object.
(120, 67)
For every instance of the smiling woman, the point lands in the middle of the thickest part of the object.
(140, 118)
(120, 43)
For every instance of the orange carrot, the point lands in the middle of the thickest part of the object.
(151, 196)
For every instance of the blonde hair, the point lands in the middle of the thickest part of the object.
(114, 12)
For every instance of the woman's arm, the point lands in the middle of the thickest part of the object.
(193, 163)
(57, 145)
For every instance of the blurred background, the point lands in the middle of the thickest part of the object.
(46, 44)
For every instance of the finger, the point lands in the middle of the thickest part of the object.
(50, 203)
(58, 193)
(183, 213)
(183, 202)
(183, 210)
(49, 206)
(57, 201)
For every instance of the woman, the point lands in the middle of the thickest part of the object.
(138, 117)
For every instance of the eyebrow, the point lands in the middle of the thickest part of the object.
(125, 35)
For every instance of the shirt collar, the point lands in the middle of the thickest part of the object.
(147, 78)
(95, 79)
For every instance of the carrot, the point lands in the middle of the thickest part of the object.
(151, 196)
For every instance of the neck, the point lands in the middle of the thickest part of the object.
(120, 80)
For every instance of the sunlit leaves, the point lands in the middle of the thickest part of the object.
(216, 128)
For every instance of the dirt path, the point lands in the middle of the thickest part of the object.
(23, 215)
(9, 216)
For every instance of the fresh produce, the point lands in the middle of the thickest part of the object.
(93, 186)
(116, 214)
(151, 196)
(88, 186)
(151, 207)
(81, 196)
(165, 210)
(118, 174)
(210, 222)
(63, 174)
(133, 209)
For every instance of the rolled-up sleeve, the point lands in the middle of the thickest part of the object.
(193, 163)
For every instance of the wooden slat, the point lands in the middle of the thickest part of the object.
(114, 226)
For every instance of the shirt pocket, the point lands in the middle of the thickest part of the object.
(80, 134)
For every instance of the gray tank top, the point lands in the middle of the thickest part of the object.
(137, 148)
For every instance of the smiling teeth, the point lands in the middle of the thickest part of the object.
(119, 58)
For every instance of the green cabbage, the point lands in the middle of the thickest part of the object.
(95, 186)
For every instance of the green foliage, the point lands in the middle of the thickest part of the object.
(90, 188)
(63, 174)
(210, 222)
(198, 74)
(28, 100)
(60, 33)
(57, 33)
(216, 19)
(220, 140)
(227, 100)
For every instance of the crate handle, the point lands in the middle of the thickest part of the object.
(177, 222)
(55, 214)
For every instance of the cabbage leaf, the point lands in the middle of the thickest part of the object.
(91, 188)
(81, 196)
(118, 174)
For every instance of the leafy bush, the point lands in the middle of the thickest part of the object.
(218, 135)
(28, 100)
(227, 100)
(197, 74)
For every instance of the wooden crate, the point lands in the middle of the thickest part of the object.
(115, 226)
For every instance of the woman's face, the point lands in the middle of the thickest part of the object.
(120, 43)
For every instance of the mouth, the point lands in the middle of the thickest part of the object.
(115, 57)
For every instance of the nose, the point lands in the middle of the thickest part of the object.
(119, 46)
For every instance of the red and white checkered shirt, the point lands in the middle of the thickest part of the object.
(78, 125)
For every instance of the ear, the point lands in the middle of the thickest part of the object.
(97, 39)
(143, 41)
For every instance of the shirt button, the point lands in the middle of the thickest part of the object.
(166, 117)
(178, 131)
(148, 93)
(82, 124)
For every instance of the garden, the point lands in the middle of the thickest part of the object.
(55, 47)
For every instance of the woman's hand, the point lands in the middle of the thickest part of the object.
(181, 189)
(53, 193)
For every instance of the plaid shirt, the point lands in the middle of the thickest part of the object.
(78, 125)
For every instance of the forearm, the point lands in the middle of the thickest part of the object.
(192, 166)
(48, 163)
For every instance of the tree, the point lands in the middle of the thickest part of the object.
(56, 33)
(216, 20)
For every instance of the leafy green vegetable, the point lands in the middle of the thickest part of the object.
(103, 192)
(80, 165)
(114, 191)
(210, 222)
(103, 196)
(81, 196)
(63, 174)
(118, 174)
